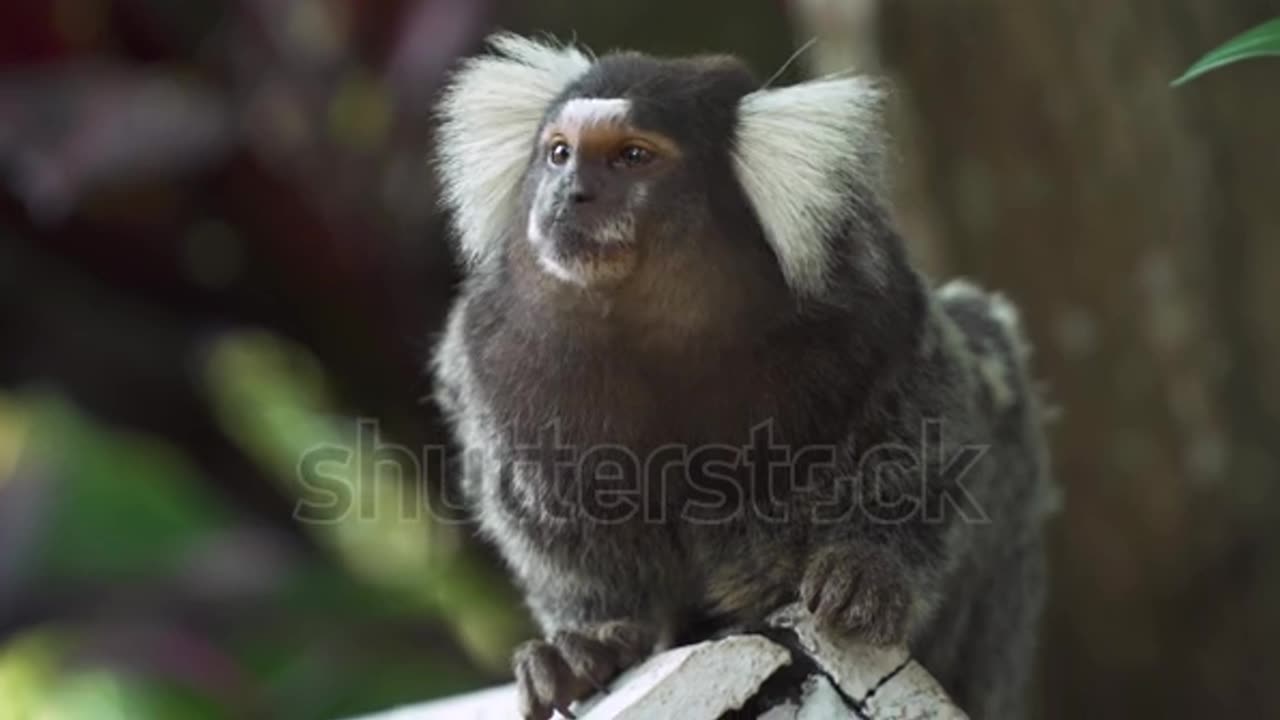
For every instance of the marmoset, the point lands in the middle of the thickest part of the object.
(695, 376)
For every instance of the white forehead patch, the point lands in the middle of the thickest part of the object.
(587, 112)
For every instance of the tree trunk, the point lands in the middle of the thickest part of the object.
(1138, 226)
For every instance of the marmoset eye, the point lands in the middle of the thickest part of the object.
(634, 156)
(559, 153)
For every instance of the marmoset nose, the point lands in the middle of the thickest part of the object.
(587, 185)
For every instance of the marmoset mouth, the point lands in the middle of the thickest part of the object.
(588, 257)
(582, 258)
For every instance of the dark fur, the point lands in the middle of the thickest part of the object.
(703, 343)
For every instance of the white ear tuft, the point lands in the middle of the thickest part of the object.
(809, 158)
(490, 112)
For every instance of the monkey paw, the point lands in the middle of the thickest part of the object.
(857, 594)
(552, 674)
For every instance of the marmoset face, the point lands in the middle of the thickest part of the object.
(630, 167)
(597, 174)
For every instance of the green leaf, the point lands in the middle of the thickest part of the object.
(1261, 41)
(41, 677)
(100, 694)
(124, 505)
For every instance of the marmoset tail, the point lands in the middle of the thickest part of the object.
(695, 377)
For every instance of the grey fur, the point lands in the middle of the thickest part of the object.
(707, 342)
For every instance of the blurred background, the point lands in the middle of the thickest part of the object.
(220, 248)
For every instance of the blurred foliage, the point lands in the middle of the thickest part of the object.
(1261, 41)
(195, 610)
(380, 523)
